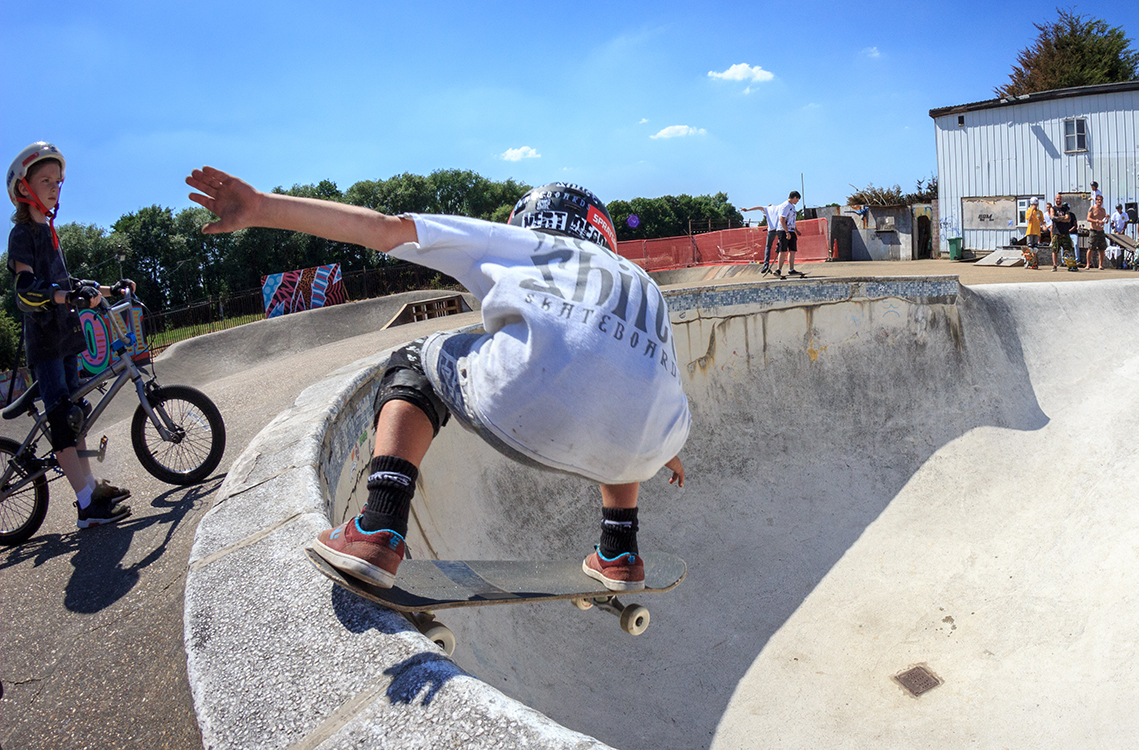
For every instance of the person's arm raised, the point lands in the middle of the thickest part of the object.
(238, 205)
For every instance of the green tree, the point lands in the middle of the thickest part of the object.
(154, 251)
(673, 215)
(91, 252)
(457, 192)
(405, 193)
(9, 342)
(655, 218)
(1073, 50)
(876, 196)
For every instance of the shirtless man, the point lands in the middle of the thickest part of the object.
(1097, 217)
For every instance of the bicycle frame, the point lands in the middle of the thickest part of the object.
(121, 369)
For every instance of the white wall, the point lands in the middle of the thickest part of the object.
(1017, 149)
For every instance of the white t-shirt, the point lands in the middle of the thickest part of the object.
(578, 367)
(772, 212)
(786, 211)
(1119, 221)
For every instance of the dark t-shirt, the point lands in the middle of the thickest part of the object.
(1062, 223)
(52, 333)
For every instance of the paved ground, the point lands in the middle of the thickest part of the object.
(91, 647)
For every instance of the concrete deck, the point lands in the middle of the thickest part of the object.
(880, 478)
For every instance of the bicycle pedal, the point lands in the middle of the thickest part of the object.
(98, 455)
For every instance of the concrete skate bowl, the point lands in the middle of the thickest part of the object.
(881, 476)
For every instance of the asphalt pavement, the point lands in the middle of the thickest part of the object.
(91, 622)
(91, 652)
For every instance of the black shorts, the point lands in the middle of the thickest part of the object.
(788, 241)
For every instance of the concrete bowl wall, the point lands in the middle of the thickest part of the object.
(814, 403)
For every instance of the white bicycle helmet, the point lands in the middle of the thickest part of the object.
(24, 161)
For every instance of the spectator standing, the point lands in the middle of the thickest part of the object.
(1119, 220)
(1035, 220)
(1097, 217)
(1063, 223)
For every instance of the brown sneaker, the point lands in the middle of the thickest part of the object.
(373, 556)
(625, 572)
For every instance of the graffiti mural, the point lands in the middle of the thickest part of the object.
(96, 329)
(293, 291)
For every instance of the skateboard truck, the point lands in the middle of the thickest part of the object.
(98, 455)
(634, 617)
(433, 630)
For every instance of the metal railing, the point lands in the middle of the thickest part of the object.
(165, 327)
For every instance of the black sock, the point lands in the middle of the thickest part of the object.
(391, 485)
(618, 531)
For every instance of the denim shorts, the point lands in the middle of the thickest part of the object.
(444, 363)
(57, 379)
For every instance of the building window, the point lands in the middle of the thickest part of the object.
(1022, 205)
(1075, 135)
(960, 121)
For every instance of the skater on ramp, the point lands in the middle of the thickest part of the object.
(576, 371)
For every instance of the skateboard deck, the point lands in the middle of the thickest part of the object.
(427, 585)
(785, 276)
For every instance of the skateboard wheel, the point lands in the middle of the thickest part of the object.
(634, 619)
(442, 637)
(582, 603)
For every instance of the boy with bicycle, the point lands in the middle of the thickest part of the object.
(48, 297)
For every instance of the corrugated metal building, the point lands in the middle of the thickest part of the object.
(993, 156)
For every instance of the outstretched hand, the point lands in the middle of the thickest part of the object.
(677, 470)
(233, 201)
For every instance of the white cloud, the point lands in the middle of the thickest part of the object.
(643, 121)
(743, 72)
(518, 154)
(678, 131)
(872, 53)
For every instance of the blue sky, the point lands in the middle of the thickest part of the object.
(627, 98)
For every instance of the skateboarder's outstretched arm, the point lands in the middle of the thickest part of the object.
(239, 205)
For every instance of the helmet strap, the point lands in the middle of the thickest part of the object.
(38, 205)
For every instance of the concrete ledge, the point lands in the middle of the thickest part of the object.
(279, 658)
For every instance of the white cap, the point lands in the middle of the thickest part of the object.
(1035, 201)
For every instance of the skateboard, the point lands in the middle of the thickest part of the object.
(424, 586)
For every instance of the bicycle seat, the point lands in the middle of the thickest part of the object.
(22, 405)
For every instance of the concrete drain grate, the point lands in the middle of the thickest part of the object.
(918, 680)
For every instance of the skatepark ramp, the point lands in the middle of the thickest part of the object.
(883, 474)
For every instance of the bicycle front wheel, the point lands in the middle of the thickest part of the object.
(22, 508)
(197, 441)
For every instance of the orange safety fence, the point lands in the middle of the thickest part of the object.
(743, 245)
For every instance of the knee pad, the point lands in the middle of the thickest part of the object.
(412, 386)
(60, 419)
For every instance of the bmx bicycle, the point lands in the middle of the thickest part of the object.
(177, 432)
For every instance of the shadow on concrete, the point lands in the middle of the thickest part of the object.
(798, 445)
(100, 579)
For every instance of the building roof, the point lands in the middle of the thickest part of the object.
(1038, 96)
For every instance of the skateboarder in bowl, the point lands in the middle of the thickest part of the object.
(577, 370)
